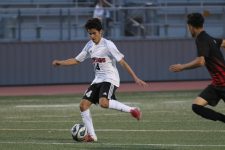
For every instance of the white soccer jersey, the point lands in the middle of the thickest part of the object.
(104, 55)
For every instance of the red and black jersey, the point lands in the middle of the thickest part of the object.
(209, 47)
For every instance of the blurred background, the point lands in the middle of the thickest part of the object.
(151, 33)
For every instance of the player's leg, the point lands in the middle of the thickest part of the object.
(116, 105)
(86, 102)
(207, 97)
(86, 117)
(113, 104)
(108, 100)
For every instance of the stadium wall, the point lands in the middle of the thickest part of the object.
(29, 63)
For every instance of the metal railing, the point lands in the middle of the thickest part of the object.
(150, 21)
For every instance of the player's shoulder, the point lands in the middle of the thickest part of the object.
(89, 43)
(203, 37)
(108, 43)
(213, 40)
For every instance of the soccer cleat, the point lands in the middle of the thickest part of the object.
(89, 138)
(136, 113)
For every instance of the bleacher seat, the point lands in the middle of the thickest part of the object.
(64, 19)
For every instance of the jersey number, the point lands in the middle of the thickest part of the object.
(97, 66)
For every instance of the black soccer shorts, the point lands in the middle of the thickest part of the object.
(213, 94)
(98, 90)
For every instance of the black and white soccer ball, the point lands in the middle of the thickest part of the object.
(78, 131)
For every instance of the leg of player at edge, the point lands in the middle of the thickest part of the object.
(199, 108)
(104, 103)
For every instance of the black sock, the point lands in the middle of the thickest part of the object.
(208, 113)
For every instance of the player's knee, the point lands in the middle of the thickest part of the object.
(104, 102)
(83, 106)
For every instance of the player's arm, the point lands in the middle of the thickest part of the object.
(124, 64)
(197, 62)
(223, 44)
(67, 62)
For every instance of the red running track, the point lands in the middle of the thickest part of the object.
(80, 88)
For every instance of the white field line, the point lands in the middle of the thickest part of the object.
(40, 121)
(42, 116)
(61, 105)
(166, 145)
(71, 116)
(117, 144)
(48, 106)
(63, 121)
(119, 130)
(175, 102)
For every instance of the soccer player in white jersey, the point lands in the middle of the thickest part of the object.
(104, 54)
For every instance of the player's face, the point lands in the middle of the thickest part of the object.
(95, 35)
(192, 30)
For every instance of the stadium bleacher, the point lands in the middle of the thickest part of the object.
(48, 20)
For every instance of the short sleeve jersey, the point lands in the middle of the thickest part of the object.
(104, 56)
(209, 47)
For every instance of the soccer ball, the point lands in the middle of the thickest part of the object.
(78, 131)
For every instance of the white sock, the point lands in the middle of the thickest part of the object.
(87, 119)
(113, 104)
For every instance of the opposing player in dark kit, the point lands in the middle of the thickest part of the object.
(209, 55)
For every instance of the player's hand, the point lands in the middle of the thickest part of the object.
(141, 82)
(176, 68)
(56, 63)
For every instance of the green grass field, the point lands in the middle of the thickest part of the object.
(44, 122)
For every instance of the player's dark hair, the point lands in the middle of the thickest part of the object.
(94, 23)
(195, 19)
